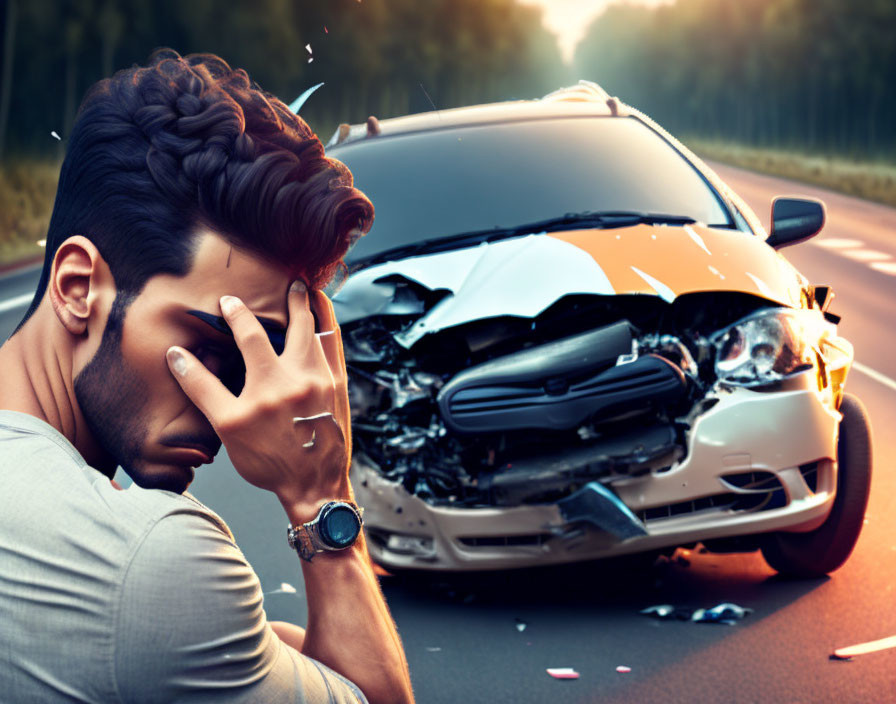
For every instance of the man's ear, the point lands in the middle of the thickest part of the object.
(79, 279)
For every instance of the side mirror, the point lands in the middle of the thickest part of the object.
(795, 220)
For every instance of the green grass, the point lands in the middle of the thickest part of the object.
(871, 180)
(27, 190)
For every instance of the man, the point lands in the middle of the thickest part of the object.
(179, 307)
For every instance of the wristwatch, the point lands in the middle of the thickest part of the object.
(336, 527)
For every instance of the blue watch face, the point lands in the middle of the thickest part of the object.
(339, 527)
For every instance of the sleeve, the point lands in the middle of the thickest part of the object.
(190, 627)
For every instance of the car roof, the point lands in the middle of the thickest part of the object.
(585, 99)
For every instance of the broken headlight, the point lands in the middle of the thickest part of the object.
(768, 346)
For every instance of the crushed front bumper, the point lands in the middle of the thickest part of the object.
(757, 461)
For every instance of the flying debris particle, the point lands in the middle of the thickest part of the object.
(863, 648)
(297, 104)
(310, 59)
(308, 48)
(53, 134)
(285, 588)
(433, 650)
(41, 243)
(326, 31)
(563, 673)
(623, 668)
(520, 625)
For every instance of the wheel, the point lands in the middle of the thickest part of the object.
(826, 548)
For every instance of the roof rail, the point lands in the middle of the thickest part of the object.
(586, 92)
(581, 92)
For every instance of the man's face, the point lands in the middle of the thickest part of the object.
(135, 409)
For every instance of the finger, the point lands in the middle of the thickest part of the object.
(202, 387)
(248, 333)
(330, 336)
(300, 332)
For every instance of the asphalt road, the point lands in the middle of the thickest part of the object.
(461, 633)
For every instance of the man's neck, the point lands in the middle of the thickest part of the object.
(38, 380)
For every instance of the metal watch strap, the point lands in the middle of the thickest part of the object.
(300, 540)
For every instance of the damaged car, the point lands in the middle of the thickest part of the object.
(568, 339)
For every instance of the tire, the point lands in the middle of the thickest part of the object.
(826, 548)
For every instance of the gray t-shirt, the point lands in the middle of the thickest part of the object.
(129, 596)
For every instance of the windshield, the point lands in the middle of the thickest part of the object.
(440, 183)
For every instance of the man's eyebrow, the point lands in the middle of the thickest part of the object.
(276, 332)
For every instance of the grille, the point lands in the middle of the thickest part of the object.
(773, 496)
(487, 541)
(559, 403)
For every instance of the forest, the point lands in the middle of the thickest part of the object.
(809, 75)
(815, 75)
(376, 57)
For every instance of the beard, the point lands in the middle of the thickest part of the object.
(112, 399)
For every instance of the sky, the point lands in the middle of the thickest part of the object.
(569, 19)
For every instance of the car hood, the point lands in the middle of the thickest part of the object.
(526, 275)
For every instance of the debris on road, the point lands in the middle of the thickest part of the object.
(623, 668)
(863, 648)
(723, 613)
(667, 611)
(726, 613)
(563, 673)
(660, 610)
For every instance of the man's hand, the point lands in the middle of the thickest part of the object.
(349, 626)
(302, 461)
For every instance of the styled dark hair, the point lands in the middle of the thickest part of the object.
(156, 151)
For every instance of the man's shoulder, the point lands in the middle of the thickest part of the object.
(51, 492)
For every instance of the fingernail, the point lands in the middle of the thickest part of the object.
(229, 304)
(177, 361)
(298, 286)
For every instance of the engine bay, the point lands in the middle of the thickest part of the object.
(509, 411)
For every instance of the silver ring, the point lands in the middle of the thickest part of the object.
(308, 445)
(300, 419)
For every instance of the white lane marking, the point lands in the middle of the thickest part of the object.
(876, 375)
(863, 648)
(838, 243)
(865, 255)
(17, 302)
(697, 238)
(884, 267)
